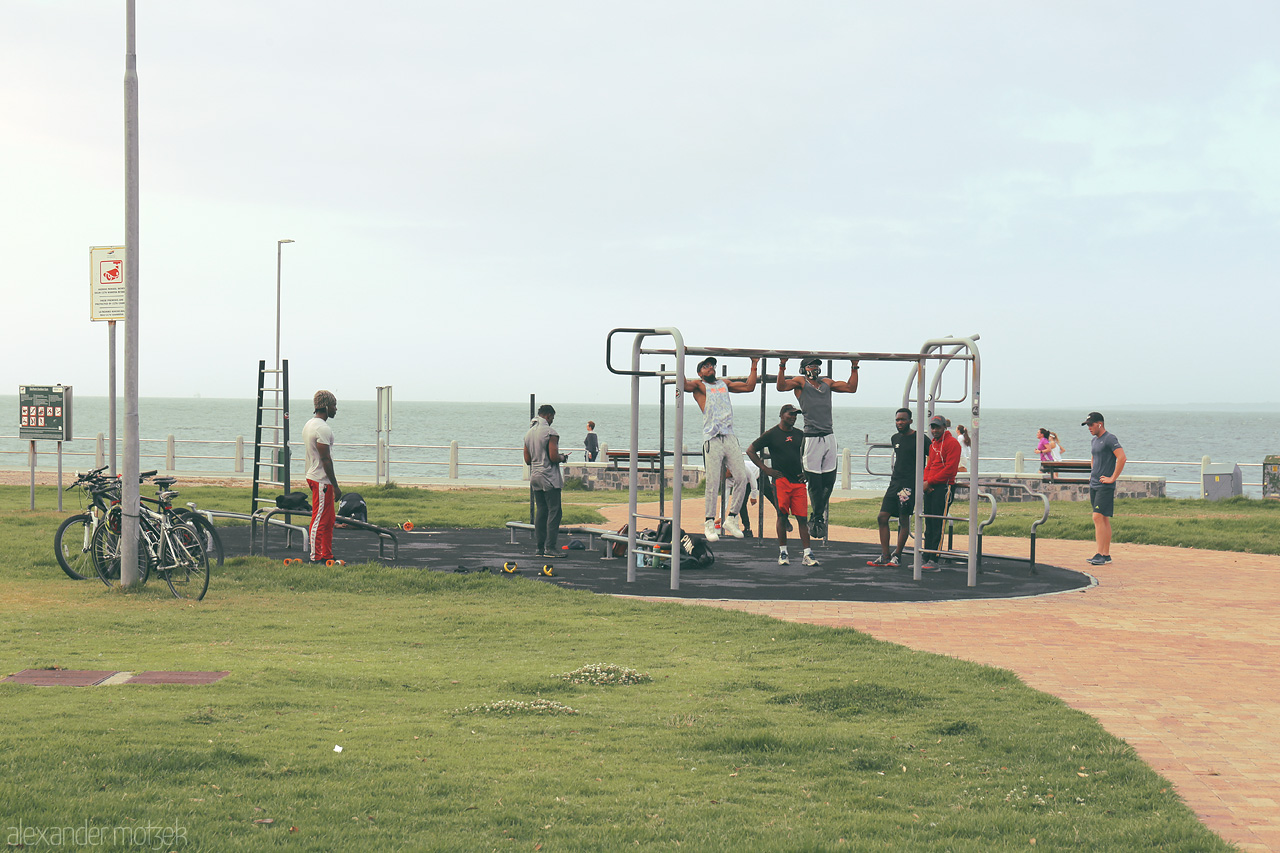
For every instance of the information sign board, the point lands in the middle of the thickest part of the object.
(106, 282)
(44, 412)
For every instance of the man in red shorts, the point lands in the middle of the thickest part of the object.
(786, 467)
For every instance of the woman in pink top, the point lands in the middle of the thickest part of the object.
(1042, 446)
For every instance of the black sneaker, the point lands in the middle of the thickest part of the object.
(1099, 560)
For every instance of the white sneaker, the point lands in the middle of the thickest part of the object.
(784, 560)
(709, 530)
(810, 561)
(733, 527)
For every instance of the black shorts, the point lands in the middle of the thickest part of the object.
(1103, 501)
(899, 500)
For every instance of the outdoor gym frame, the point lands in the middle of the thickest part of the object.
(942, 351)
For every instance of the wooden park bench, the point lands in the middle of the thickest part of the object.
(622, 458)
(1067, 471)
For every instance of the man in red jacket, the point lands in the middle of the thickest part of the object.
(939, 476)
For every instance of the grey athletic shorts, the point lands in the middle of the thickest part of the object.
(819, 453)
(1103, 501)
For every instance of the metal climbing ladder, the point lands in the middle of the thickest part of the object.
(271, 456)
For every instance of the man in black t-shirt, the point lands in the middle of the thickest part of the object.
(899, 499)
(786, 467)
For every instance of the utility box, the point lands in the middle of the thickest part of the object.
(1271, 477)
(1222, 481)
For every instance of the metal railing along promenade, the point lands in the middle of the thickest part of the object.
(456, 461)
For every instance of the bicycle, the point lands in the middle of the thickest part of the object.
(168, 544)
(199, 519)
(74, 536)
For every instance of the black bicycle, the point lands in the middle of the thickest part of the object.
(71, 544)
(168, 545)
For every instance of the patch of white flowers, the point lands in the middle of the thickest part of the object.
(606, 674)
(512, 706)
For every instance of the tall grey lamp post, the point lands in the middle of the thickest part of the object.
(279, 250)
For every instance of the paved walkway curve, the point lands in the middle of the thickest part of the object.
(1175, 651)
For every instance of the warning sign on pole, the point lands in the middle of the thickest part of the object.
(106, 283)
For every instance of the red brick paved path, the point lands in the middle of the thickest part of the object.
(1175, 651)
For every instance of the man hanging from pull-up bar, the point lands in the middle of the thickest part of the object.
(719, 444)
(814, 390)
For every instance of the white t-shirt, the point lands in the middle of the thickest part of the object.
(316, 431)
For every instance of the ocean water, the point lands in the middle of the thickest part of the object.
(490, 435)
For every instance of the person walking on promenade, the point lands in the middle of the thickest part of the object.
(592, 442)
(1042, 445)
(786, 468)
(939, 476)
(813, 391)
(1108, 462)
(542, 455)
(1055, 447)
(966, 445)
(899, 499)
(317, 437)
(720, 446)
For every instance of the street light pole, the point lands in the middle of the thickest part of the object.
(279, 250)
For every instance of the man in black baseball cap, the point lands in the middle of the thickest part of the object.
(786, 467)
(1108, 462)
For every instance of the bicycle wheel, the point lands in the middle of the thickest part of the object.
(208, 535)
(71, 546)
(105, 550)
(190, 577)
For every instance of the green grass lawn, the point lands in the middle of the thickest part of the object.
(750, 734)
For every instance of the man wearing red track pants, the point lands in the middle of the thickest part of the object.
(318, 438)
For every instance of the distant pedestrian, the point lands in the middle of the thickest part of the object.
(1055, 447)
(939, 476)
(317, 437)
(542, 455)
(720, 446)
(1108, 462)
(592, 442)
(1042, 445)
(966, 444)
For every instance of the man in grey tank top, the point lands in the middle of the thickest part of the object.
(719, 443)
(813, 391)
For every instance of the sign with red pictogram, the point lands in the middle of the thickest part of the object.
(106, 282)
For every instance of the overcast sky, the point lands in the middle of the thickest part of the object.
(480, 191)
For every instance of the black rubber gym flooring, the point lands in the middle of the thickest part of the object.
(744, 569)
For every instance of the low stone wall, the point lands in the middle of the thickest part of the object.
(1004, 487)
(601, 476)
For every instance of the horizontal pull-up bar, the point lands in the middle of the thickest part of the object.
(725, 352)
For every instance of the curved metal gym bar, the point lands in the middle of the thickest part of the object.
(943, 351)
